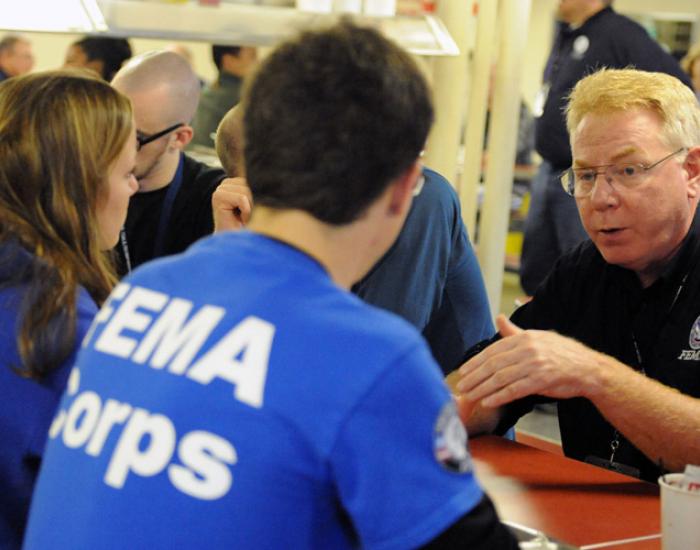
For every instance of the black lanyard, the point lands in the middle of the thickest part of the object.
(165, 213)
(616, 440)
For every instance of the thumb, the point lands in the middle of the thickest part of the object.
(465, 408)
(505, 327)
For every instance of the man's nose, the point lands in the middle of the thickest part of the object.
(603, 189)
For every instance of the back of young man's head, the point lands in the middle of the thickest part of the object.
(330, 119)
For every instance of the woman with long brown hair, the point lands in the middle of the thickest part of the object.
(67, 150)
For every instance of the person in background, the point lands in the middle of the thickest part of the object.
(233, 64)
(102, 54)
(172, 208)
(613, 334)
(591, 35)
(232, 201)
(66, 174)
(16, 57)
(229, 145)
(691, 65)
(241, 396)
(430, 276)
(182, 50)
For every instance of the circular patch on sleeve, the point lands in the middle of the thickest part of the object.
(450, 440)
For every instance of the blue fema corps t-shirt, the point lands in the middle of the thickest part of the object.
(233, 396)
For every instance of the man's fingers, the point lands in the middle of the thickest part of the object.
(515, 390)
(232, 204)
(497, 367)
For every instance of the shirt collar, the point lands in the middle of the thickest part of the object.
(583, 26)
(680, 263)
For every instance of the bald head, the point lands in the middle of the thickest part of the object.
(181, 50)
(229, 142)
(165, 77)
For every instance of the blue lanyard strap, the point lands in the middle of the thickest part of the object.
(166, 211)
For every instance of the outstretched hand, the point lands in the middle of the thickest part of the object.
(527, 362)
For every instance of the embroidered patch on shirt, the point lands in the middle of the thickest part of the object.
(450, 440)
(692, 354)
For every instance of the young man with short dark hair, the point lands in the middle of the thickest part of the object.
(238, 395)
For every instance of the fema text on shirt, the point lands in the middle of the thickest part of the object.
(155, 330)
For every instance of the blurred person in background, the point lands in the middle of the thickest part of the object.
(66, 174)
(181, 50)
(233, 64)
(185, 52)
(16, 57)
(691, 65)
(103, 54)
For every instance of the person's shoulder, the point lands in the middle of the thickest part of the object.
(437, 201)
(378, 324)
(86, 306)
(437, 188)
(207, 90)
(609, 27)
(201, 173)
(198, 168)
(338, 310)
(622, 27)
(286, 288)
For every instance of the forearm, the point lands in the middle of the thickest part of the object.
(660, 421)
(482, 420)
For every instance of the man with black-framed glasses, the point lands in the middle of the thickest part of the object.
(613, 333)
(172, 207)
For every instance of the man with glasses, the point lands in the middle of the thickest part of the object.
(613, 333)
(172, 208)
(590, 35)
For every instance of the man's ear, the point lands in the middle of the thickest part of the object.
(183, 135)
(692, 168)
(402, 188)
